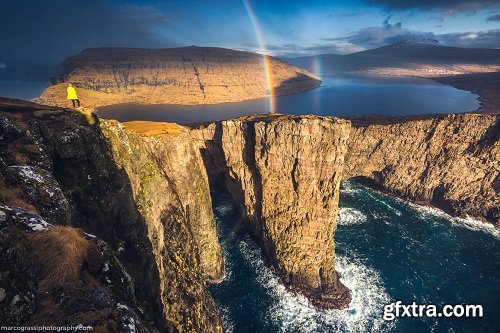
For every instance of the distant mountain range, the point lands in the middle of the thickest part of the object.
(420, 58)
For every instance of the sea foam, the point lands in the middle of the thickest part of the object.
(224, 209)
(428, 211)
(294, 313)
(350, 216)
(469, 223)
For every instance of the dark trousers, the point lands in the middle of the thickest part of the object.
(76, 102)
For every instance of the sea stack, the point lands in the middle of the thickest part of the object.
(284, 172)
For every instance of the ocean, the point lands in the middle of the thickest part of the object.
(387, 250)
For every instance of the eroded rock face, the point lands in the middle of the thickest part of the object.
(189, 75)
(285, 173)
(128, 190)
(170, 188)
(451, 162)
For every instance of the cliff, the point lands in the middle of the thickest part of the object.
(188, 75)
(144, 194)
(287, 192)
(110, 224)
(448, 161)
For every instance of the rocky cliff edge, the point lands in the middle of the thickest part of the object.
(145, 196)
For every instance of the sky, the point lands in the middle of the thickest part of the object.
(39, 34)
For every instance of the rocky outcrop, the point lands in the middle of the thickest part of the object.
(189, 75)
(171, 191)
(448, 161)
(285, 172)
(130, 189)
(59, 275)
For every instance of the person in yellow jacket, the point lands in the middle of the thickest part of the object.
(72, 95)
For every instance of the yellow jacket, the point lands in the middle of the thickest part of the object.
(71, 93)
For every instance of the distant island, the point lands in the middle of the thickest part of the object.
(186, 75)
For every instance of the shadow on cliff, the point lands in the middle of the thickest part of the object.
(101, 200)
(297, 84)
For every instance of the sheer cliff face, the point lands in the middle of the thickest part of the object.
(190, 75)
(285, 172)
(145, 195)
(170, 188)
(167, 173)
(451, 162)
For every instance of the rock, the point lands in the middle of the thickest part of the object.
(285, 174)
(18, 296)
(2, 294)
(187, 75)
(448, 161)
(85, 300)
(171, 190)
(142, 197)
(141, 194)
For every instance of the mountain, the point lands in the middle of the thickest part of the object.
(411, 57)
(187, 75)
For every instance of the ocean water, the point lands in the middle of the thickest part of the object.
(387, 250)
(337, 96)
(26, 90)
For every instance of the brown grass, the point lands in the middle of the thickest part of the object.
(14, 197)
(150, 128)
(59, 254)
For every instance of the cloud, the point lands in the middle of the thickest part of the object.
(335, 47)
(296, 50)
(480, 39)
(286, 49)
(43, 33)
(494, 18)
(373, 37)
(446, 6)
(387, 33)
(146, 13)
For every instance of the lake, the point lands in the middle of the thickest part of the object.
(337, 96)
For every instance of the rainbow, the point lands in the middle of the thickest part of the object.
(265, 58)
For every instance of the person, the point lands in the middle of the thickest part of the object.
(72, 95)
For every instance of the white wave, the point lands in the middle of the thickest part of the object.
(224, 209)
(370, 192)
(350, 216)
(468, 222)
(428, 211)
(227, 320)
(347, 187)
(294, 313)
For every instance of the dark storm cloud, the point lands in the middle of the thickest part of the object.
(495, 18)
(46, 32)
(449, 6)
